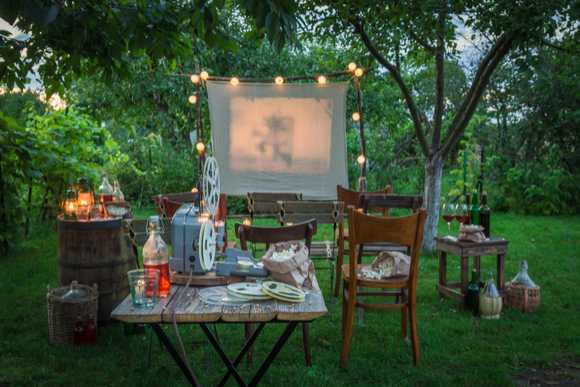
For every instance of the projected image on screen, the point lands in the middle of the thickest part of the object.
(290, 135)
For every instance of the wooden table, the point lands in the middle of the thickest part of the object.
(446, 245)
(185, 307)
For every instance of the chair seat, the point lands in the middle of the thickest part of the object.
(397, 282)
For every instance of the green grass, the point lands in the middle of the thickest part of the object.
(456, 349)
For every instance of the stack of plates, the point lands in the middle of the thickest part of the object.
(283, 292)
(247, 291)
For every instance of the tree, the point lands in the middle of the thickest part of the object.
(404, 36)
(83, 36)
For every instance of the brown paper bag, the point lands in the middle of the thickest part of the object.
(296, 269)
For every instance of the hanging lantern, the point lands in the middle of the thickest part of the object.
(356, 116)
(204, 75)
(192, 99)
(234, 81)
(279, 80)
(200, 147)
(361, 159)
(358, 72)
(194, 79)
(321, 79)
(351, 66)
(85, 199)
(70, 204)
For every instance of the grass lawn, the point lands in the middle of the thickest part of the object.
(456, 348)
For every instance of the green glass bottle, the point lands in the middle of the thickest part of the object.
(472, 296)
(475, 209)
(485, 215)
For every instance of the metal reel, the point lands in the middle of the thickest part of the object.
(211, 185)
(207, 245)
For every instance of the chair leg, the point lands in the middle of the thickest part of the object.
(414, 331)
(306, 343)
(348, 322)
(249, 356)
(404, 312)
(338, 268)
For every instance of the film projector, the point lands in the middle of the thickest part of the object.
(193, 233)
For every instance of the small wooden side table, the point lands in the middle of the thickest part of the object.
(446, 245)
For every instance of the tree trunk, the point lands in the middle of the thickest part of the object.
(432, 197)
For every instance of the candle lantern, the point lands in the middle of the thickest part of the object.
(69, 206)
(85, 199)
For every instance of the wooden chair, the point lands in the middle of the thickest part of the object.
(349, 198)
(325, 212)
(407, 231)
(302, 231)
(266, 203)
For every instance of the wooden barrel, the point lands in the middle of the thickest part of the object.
(96, 252)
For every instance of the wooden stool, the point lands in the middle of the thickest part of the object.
(457, 290)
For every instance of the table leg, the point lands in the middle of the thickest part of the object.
(464, 274)
(500, 271)
(225, 359)
(272, 355)
(477, 267)
(187, 372)
(243, 352)
(442, 268)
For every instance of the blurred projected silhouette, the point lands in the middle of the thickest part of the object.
(277, 142)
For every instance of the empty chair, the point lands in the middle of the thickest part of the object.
(266, 203)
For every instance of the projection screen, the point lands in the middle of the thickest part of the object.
(279, 138)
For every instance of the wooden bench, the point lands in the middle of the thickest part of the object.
(266, 203)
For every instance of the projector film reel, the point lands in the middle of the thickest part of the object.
(207, 245)
(211, 185)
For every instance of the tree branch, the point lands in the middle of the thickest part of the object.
(396, 75)
(480, 82)
(439, 80)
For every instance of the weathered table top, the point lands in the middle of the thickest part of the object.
(185, 306)
(488, 247)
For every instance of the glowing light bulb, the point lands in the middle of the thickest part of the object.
(192, 99)
(204, 75)
(234, 81)
(279, 80)
(247, 222)
(194, 190)
(351, 66)
(361, 159)
(356, 116)
(200, 146)
(359, 72)
(194, 78)
(321, 79)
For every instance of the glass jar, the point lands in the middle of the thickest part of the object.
(85, 199)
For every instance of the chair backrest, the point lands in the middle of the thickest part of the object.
(406, 231)
(381, 201)
(324, 211)
(167, 204)
(302, 231)
(266, 203)
(352, 198)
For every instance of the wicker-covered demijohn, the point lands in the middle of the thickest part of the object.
(518, 296)
(64, 310)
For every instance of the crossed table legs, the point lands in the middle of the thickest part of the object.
(231, 365)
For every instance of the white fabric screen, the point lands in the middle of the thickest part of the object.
(279, 138)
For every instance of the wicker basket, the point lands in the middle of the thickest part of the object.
(63, 313)
(522, 298)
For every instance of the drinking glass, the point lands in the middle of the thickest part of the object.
(144, 287)
(462, 213)
(448, 214)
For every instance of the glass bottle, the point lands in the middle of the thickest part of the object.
(156, 255)
(105, 193)
(472, 296)
(474, 211)
(485, 215)
(118, 195)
